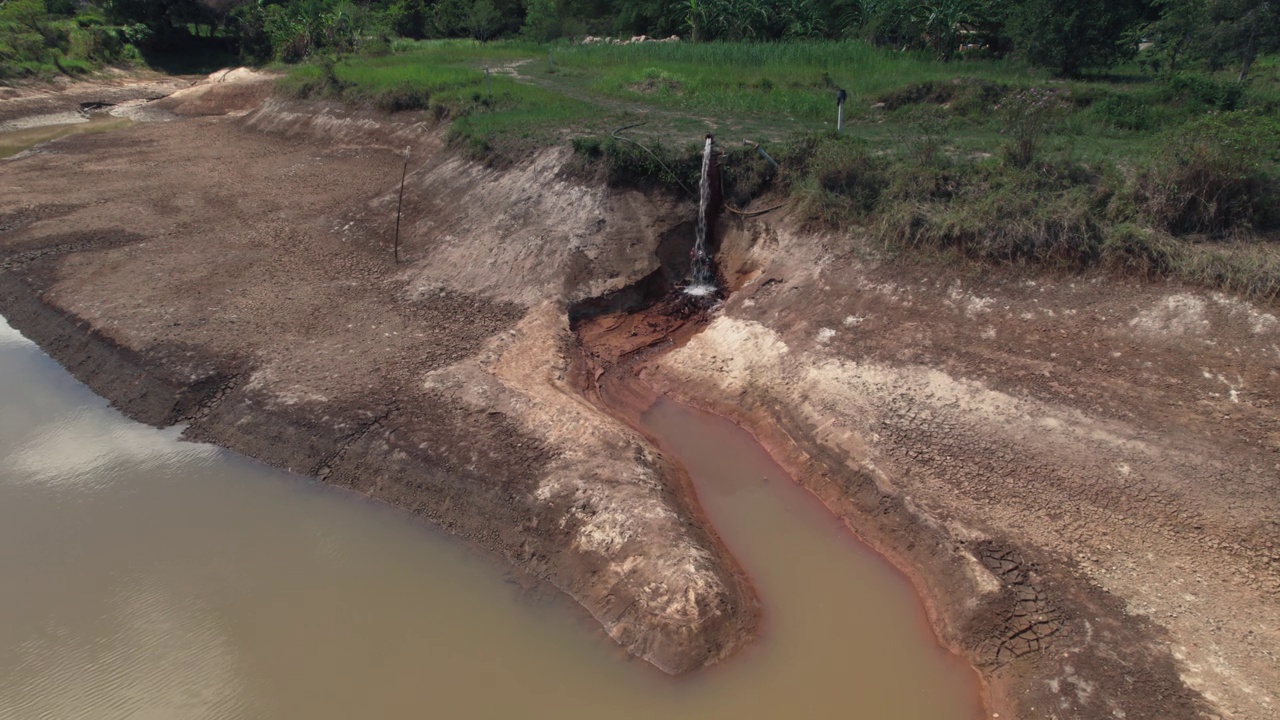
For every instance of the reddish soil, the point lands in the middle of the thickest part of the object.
(1079, 473)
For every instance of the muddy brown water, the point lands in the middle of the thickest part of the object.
(13, 142)
(145, 577)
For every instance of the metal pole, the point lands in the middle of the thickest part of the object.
(840, 118)
(488, 81)
(400, 203)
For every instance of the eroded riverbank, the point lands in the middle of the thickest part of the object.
(244, 284)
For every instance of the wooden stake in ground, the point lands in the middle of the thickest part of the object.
(400, 202)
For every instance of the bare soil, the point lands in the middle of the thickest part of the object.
(1078, 472)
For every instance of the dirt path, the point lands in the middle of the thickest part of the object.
(1079, 473)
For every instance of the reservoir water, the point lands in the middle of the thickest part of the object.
(145, 577)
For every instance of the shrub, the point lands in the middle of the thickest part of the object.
(1246, 272)
(588, 147)
(1134, 249)
(1028, 116)
(746, 175)
(400, 99)
(1125, 112)
(1222, 95)
(844, 182)
(965, 96)
(1214, 176)
(1011, 222)
(629, 165)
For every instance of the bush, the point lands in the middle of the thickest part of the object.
(588, 147)
(747, 175)
(1221, 95)
(1215, 176)
(843, 180)
(1141, 251)
(402, 98)
(965, 96)
(629, 165)
(1028, 116)
(1011, 222)
(1125, 112)
(1071, 36)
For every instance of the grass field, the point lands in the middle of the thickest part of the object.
(988, 160)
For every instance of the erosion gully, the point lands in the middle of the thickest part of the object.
(146, 576)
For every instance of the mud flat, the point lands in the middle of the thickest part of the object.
(1078, 473)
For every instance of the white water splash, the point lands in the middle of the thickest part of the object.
(702, 279)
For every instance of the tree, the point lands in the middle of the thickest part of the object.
(1179, 29)
(1071, 36)
(1241, 29)
(942, 21)
(656, 18)
(483, 22)
(410, 18)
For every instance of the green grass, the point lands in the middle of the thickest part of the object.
(986, 160)
(794, 81)
(447, 78)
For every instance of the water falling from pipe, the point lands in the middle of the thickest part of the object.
(702, 278)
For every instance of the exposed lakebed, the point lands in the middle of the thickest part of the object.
(146, 576)
(19, 137)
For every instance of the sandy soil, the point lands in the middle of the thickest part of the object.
(1078, 472)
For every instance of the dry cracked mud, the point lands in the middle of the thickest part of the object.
(1078, 472)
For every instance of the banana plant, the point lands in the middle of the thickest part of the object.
(942, 21)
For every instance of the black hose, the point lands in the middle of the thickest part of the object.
(616, 136)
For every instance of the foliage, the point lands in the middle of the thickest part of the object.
(1238, 30)
(942, 21)
(1066, 36)
(1071, 36)
(1028, 117)
(1177, 31)
(35, 41)
(1125, 112)
(1214, 176)
(300, 29)
(1216, 94)
(1218, 32)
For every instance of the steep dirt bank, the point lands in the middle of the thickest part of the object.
(1089, 527)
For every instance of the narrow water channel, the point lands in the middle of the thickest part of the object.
(13, 142)
(145, 577)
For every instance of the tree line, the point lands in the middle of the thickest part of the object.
(1069, 37)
